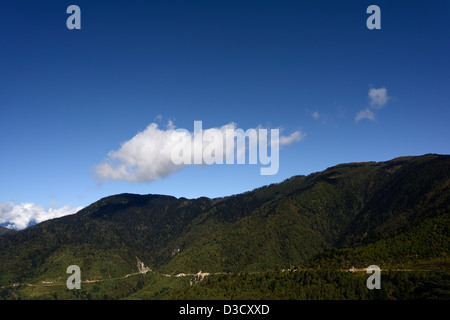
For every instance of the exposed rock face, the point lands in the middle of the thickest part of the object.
(198, 277)
(141, 267)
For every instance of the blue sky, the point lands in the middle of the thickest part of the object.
(69, 97)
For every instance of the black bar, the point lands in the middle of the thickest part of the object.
(223, 309)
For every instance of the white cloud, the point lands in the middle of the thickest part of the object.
(365, 114)
(145, 157)
(148, 155)
(293, 137)
(22, 215)
(315, 115)
(377, 100)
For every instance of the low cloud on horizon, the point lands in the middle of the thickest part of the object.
(21, 216)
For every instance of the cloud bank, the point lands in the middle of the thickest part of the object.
(378, 98)
(22, 215)
(147, 156)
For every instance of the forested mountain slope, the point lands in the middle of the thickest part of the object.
(393, 213)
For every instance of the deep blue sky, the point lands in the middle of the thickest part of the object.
(68, 97)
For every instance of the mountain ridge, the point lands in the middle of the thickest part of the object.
(4, 230)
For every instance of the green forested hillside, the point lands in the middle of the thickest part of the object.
(394, 214)
(317, 285)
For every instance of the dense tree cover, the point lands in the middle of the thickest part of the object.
(318, 285)
(273, 285)
(138, 287)
(394, 214)
(423, 246)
